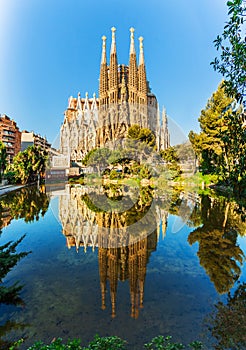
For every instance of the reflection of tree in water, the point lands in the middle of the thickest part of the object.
(117, 221)
(28, 203)
(96, 202)
(227, 323)
(9, 294)
(218, 251)
(9, 326)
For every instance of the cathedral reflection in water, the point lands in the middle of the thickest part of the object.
(121, 256)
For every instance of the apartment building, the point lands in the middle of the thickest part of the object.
(32, 139)
(10, 135)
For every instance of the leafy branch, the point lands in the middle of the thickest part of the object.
(232, 47)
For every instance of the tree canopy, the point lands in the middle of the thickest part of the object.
(231, 45)
(220, 146)
(29, 164)
(208, 145)
(135, 132)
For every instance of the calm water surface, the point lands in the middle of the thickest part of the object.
(154, 263)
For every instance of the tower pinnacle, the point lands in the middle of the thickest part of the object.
(133, 71)
(113, 71)
(141, 54)
(132, 48)
(103, 60)
(113, 44)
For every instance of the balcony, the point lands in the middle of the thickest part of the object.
(8, 138)
(8, 132)
(8, 144)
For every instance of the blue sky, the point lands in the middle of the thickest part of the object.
(50, 50)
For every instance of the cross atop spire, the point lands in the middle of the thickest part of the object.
(104, 60)
(113, 44)
(132, 48)
(141, 54)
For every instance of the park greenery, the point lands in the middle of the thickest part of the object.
(135, 158)
(220, 146)
(112, 343)
(231, 45)
(230, 134)
(27, 166)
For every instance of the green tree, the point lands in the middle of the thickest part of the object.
(98, 158)
(3, 159)
(135, 132)
(38, 158)
(232, 47)
(208, 145)
(140, 144)
(232, 65)
(185, 152)
(220, 146)
(233, 168)
(87, 157)
(170, 156)
(29, 165)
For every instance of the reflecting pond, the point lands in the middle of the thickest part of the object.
(126, 261)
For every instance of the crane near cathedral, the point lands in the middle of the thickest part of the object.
(125, 99)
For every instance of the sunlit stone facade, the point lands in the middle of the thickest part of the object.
(125, 99)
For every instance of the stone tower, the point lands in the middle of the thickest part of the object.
(125, 99)
(124, 95)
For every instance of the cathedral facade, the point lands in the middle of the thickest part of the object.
(125, 99)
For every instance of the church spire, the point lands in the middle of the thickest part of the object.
(141, 53)
(165, 137)
(113, 71)
(113, 43)
(133, 71)
(103, 81)
(104, 59)
(132, 47)
(142, 81)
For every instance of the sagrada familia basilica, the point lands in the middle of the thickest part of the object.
(125, 99)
